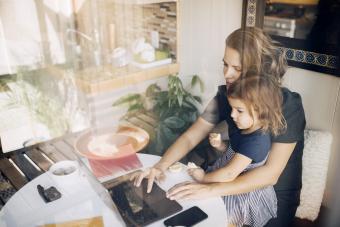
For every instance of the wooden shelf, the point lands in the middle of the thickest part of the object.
(142, 2)
(95, 86)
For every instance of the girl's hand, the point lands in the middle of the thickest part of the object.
(190, 191)
(197, 173)
(215, 140)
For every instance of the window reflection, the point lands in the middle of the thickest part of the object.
(292, 19)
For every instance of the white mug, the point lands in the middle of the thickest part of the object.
(65, 175)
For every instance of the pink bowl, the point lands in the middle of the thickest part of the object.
(120, 138)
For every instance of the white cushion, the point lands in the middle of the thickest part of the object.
(314, 173)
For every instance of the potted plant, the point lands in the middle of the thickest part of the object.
(167, 114)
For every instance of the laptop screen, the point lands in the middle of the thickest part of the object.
(139, 208)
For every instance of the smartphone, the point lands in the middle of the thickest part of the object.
(188, 217)
(49, 194)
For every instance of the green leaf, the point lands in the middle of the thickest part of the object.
(174, 122)
(165, 132)
(135, 107)
(186, 116)
(180, 99)
(198, 99)
(127, 99)
(189, 117)
(159, 141)
(189, 105)
(196, 79)
(163, 113)
(194, 100)
(167, 136)
(175, 84)
(162, 97)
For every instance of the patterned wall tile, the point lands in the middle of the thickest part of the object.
(251, 13)
(308, 57)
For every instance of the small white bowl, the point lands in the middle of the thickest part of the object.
(65, 174)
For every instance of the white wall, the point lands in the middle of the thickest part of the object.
(321, 100)
(204, 25)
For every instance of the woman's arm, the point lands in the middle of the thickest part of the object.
(185, 143)
(229, 172)
(182, 146)
(256, 178)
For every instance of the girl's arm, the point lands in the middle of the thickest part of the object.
(259, 177)
(229, 172)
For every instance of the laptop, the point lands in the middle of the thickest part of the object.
(139, 208)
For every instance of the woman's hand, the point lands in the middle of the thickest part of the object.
(190, 191)
(152, 174)
(197, 174)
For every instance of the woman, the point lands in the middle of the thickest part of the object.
(247, 50)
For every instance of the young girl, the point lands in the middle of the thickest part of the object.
(256, 112)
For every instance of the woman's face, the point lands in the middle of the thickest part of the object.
(232, 65)
(241, 115)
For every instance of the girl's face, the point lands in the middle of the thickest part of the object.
(241, 115)
(232, 65)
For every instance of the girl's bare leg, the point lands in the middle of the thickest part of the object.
(231, 225)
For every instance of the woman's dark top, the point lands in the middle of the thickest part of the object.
(219, 110)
